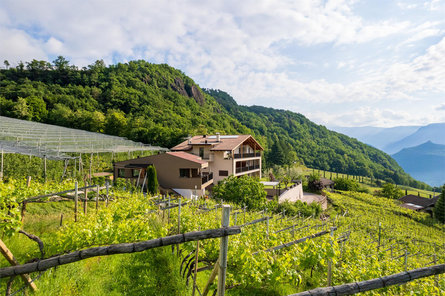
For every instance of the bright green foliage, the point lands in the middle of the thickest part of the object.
(439, 208)
(299, 208)
(390, 190)
(152, 180)
(346, 184)
(244, 190)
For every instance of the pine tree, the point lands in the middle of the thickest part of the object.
(152, 180)
(439, 208)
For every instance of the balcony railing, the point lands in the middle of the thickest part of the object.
(207, 178)
(247, 168)
(246, 155)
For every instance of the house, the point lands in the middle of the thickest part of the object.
(327, 183)
(181, 172)
(417, 203)
(226, 154)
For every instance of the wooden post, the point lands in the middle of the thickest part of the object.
(28, 181)
(168, 211)
(23, 211)
(196, 266)
(211, 278)
(11, 259)
(330, 261)
(236, 215)
(107, 184)
(61, 219)
(91, 164)
(179, 222)
(85, 203)
(44, 167)
(223, 252)
(97, 197)
(76, 199)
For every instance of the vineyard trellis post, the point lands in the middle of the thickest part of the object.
(76, 200)
(107, 185)
(179, 221)
(85, 202)
(97, 197)
(330, 260)
(28, 181)
(225, 220)
(196, 266)
(11, 259)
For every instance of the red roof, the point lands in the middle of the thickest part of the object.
(226, 142)
(187, 156)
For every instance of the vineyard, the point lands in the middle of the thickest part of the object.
(360, 237)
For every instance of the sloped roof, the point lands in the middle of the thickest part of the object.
(187, 156)
(227, 142)
(417, 200)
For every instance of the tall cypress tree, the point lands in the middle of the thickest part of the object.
(439, 208)
(152, 180)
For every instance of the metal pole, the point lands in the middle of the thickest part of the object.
(179, 221)
(330, 261)
(223, 252)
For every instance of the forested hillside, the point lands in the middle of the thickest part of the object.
(160, 105)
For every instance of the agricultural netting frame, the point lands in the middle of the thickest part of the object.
(53, 142)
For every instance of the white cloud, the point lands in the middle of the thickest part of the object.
(235, 45)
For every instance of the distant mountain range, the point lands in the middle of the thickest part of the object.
(419, 150)
(425, 162)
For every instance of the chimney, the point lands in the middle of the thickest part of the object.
(218, 138)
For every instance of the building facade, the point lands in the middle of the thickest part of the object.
(226, 154)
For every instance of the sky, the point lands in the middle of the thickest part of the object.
(339, 63)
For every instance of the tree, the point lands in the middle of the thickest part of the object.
(314, 182)
(6, 64)
(152, 180)
(390, 190)
(439, 208)
(244, 190)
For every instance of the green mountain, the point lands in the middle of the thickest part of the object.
(425, 162)
(314, 144)
(160, 105)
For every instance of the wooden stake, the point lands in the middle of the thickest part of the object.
(179, 221)
(76, 199)
(97, 197)
(61, 219)
(11, 259)
(107, 185)
(85, 204)
(196, 266)
(28, 181)
(211, 278)
(224, 245)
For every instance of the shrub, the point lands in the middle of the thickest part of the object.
(244, 190)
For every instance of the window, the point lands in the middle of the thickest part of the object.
(121, 173)
(223, 173)
(201, 152)
(184, 173)
(135, 173)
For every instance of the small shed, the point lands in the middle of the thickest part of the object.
(417, 203)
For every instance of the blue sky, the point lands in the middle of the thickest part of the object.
(348, 63)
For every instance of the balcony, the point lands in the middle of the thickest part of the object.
(206, 178)
(247, 155)
(247, 168)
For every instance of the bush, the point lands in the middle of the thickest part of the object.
(314, 182)
(390, 190)
(346, 184)
(244, 190)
